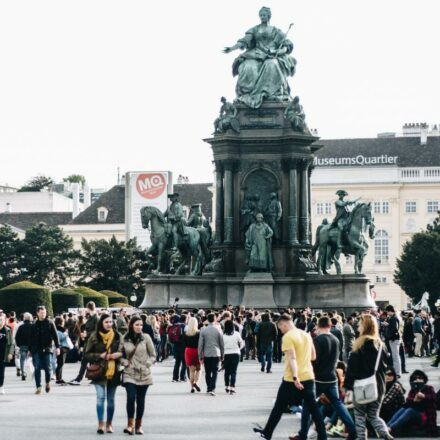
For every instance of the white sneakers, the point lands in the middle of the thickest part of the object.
(2, 390)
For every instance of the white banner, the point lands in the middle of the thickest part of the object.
(144, 188)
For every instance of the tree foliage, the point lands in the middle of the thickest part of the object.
(37, 183)
(9, 256)
(48, 257)
(418, 268)
(75, 178)
(112, 265)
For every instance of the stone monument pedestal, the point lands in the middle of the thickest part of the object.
(258, 290)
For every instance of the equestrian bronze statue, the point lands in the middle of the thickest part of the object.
(345, 234)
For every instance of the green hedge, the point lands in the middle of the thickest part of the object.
(121, 306)
(114, 297)
(99, 299)
(63, 299)
(25, 297)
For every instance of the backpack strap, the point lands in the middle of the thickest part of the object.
(379, 355)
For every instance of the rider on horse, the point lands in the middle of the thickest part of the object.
(342, 214)
(175, 215)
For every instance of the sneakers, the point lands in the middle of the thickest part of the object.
(74, 382)
(259, 430)
(47, 387)
(2, 390)
(38, 390)
(212, 393)
(227, 390)
(231, 391)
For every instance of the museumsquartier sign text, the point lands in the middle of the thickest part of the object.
(356, 160)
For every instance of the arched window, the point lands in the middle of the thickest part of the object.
(381, 247)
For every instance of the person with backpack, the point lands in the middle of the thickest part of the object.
(175, 336)
(249, 336)
(22, 341)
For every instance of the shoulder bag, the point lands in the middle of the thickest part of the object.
(365, 390)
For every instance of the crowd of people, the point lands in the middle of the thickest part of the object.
(342, 373)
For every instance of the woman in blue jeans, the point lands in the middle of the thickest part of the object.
(139, 355)
(104, 348)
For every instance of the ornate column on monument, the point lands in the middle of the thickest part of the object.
(219, 202)
(228, 235)
(304, 201)
(292, 222)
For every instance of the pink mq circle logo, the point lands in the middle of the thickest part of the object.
(150, 186)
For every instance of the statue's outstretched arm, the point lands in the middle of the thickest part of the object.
(232, 48)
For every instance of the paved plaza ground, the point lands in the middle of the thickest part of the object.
(68, 412)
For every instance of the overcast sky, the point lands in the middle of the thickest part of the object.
(87, 86)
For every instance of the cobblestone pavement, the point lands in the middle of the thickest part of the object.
(68, 412)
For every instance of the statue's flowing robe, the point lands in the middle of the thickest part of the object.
(261, 76)
(259, 247)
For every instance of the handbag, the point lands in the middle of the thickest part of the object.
(95, 372)
(365, 390)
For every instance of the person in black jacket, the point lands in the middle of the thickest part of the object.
(361, 365)
(89, 327)
(43, 336)
(392, 337)
(338, 334)
(23, 340)
(436, 337)
(266, 337)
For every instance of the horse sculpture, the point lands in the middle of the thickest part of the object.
(191, 247)
(354, 241)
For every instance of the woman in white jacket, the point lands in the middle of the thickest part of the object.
(233, 345)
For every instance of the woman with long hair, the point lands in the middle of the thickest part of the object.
(104, 348)
(233, 345)
(367, 348)
(64, 348)
(156, 340)
(191, 341)
(139, 355)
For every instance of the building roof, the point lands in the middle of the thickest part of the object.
(408, 151)
(113, 200)
(192, 193)
(25, 220)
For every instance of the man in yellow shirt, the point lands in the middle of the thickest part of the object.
(298, 383)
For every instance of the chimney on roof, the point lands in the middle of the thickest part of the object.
(423, 134)
(87, 196)
(8, 207)
(75, 198)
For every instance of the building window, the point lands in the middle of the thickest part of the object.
(381, 207)
(381, 247)
(380, 279)
(411, 225)
(349, 259)
(102, 214)
(432, 206)
(323, 208)
(410, 207)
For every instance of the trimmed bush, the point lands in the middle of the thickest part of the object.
(114, 297)
(99, 299)
(63, 299)
(120, 306)
(25, 296)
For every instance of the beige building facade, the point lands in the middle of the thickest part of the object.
(400, 176)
